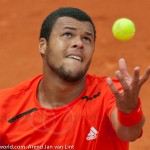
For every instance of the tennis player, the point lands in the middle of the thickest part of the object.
(65, 107)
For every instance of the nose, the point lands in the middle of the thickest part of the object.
(77, 43)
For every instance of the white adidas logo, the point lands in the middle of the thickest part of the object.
(92, 134)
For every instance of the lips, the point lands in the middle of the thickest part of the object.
(76, 56)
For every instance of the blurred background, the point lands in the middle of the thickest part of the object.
(20, 23)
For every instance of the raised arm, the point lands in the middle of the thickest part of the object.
(127, 119)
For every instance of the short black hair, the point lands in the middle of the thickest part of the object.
(50, 20)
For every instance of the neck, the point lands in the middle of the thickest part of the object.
(54, 92)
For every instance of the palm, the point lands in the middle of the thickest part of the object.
(127, 99)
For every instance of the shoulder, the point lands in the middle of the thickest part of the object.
(101, 80)
(18, 89)
(99, 84)
(95, 79)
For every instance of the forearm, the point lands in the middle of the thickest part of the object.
(126, 133)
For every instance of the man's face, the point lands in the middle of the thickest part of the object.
(70, 48)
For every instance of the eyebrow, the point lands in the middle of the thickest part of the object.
(72, 28)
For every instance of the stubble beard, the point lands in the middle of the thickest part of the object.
(66, 74)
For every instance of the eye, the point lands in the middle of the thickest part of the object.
(87, 39)
(68, 35)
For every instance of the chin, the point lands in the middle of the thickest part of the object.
(71, 76)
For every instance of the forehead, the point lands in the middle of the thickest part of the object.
(63, 22)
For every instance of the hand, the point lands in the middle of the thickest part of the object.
(127, 99)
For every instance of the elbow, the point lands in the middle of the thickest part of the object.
(129, 136)
(128, 139)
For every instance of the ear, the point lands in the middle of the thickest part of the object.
(42, 46)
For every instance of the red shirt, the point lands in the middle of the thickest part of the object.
(83, 124)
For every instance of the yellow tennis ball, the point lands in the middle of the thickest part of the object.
(123, 29)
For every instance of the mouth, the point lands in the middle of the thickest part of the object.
(75, 57)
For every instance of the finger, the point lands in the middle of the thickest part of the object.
(123, 68)
(135, 79)
(113, 88)
(122, 63)
(124, 83)
(145, 77)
